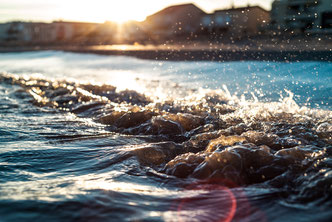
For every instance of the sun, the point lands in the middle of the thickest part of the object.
(105, 10)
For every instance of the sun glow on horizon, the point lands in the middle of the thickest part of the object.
(104, 10)
(101, 10)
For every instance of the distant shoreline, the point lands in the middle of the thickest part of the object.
(191, 54)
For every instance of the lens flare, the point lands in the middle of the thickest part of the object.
(211, 202)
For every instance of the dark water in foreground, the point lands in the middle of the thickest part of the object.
(77, 151)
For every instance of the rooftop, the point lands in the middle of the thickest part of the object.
(247, 8)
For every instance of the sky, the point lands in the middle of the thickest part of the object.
(103, 10)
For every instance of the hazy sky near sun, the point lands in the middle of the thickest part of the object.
(102, 10)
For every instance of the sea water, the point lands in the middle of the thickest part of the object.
(110, 138)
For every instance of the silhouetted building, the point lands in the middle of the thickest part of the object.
(175, 20)
(302, 15)
(15, 31)
(39, 32)
(56, 32)
(66, 31)
(245, 21)
(4, 35)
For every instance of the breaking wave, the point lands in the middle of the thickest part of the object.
(75, 150)
(208, 135)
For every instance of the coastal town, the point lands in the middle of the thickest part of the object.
(181, 23)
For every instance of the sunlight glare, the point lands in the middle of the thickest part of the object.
(103, 10)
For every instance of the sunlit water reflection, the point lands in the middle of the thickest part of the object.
(311, 82)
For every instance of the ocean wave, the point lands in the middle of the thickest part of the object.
(206, 135)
